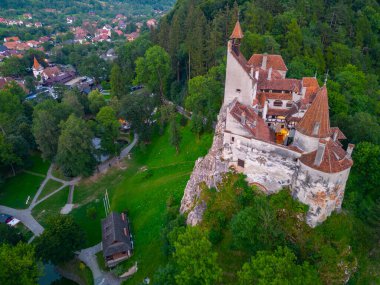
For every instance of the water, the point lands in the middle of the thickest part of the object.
(50, 275)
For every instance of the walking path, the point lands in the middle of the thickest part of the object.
(88, 255)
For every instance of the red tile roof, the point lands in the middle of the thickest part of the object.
(273, 60)
(237, 33)
(316, 121)
(253, 122)
(312, 87)
(280, 84)
(36, 64)
(341, 135)
(334, 158)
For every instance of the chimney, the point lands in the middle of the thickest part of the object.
(264, 63)
(335, 135)
(270, 73)
(350, 148)
(242, 118)
(252, 73)
(257, 75)
(316, 128)
(320, 152)
(265, 110)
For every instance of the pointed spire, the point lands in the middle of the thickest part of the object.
(316, 121)
(36, 64)
(237, 33)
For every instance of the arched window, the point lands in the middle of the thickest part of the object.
(277, 103)
(289, 104)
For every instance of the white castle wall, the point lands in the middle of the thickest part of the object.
(268, 165)
(306, 143)
(237, 78)
(322, 192)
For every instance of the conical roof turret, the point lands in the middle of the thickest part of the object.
(36, 64)
(316, 121)
(237, 33)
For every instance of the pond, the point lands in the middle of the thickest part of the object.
(50, 275)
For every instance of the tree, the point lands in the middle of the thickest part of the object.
(118, 82)
(256, 228)
(10, 235)
(154, 70)
(138, 111)
(46, 119)
(96, 101)
(175, 136)
(109, 129)
(72, 103)
(18, 265)
(196, 263)
(277, 268)
(75, 153)
(293, 39)
(60, 240)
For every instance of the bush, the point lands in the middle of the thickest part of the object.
(91, 213)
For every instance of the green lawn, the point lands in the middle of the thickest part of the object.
(153, 174)
(38, 165)
(15, 190)
(50, 187)
(50, 206)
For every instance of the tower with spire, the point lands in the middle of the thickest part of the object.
(37, 68)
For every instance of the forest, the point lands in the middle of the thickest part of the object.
(245, 238)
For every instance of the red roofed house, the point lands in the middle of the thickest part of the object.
(276, 130)
(151, 23)
(12, 39)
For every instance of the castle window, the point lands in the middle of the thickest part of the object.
(277, 103)
(241, 163)
(232, 139)
(238, 90)
(289, 104)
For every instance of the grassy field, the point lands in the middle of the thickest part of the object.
(154, 173)
(15, 190)
(50, 206)
(50, 187)
(38, 165)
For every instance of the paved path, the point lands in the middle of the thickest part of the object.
(25, 216)
(88, 256)
(103, 167)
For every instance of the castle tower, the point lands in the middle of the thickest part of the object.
(239, 76)
(315, 124)
(323, 169)
(37, 68)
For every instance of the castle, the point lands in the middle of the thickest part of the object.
(277, 132)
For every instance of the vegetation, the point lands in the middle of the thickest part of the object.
(61, 238)
(19, 260)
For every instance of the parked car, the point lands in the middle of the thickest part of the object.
(5, 219)
(13, 222)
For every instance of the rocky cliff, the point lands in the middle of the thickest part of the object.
(209, 170)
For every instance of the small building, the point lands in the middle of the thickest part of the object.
(117, 241)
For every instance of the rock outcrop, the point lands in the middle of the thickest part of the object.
(207, 170)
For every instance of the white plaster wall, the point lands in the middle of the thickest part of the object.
(322, 192)
(306, 143)
(267, 164)
(237, 78)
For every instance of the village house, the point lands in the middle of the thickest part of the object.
(117, 241)
(151, 23)
(27, 16)
(12, 39)
(51, 75)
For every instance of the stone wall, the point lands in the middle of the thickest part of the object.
(208, 169)
(322, 192)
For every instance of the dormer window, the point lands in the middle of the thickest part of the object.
(289, 104)
(277, 103)
(316, 128)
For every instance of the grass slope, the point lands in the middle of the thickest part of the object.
(154, 174)
(50, 187)
(15, 190)
(51, 206)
